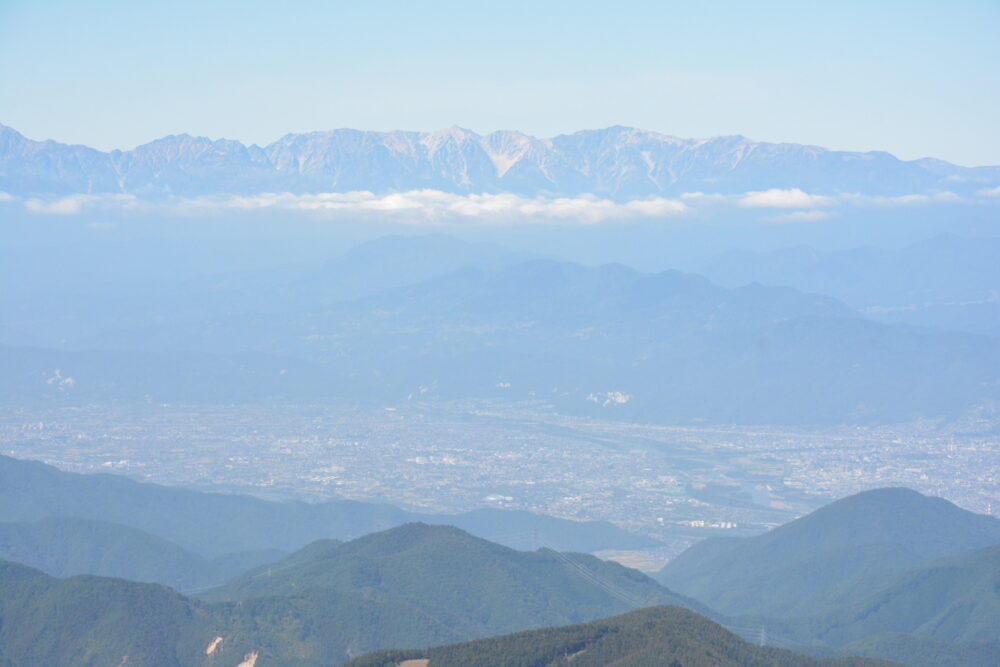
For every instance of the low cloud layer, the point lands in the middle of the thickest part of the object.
(75, 204)
(434, 207)
(777, 198)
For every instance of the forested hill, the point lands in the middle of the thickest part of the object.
(651, 637)
(475, 587)
(805, 564)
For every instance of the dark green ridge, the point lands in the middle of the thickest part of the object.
(98, 622)
(651, 637)
(477, 588)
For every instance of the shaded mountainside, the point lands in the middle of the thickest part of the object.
(926, 652)
(668, 347)
(475, 587)
(825, 558)
(418, 585)
(63, 547)
(215, 524)
(412, 586)
(651, 637)
(953, 599)
(99, 622)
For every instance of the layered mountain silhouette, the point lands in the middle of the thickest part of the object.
(895, 575)
(617, 162)
(216, 524)
(667, 347)
(411, 586)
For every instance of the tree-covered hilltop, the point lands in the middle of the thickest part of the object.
(652, 637)
(475, 587)
(98, 621)
(821, 560)
(887, 573)
(417, 585)
(413, 586)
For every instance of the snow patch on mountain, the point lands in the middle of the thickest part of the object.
(617, 163)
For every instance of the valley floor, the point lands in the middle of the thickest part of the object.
(677, 484)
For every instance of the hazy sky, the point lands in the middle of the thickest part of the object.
(914, 78)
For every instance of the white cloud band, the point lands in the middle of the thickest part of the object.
(777, 198)
(434, 207)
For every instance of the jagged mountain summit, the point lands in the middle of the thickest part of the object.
(616, 162)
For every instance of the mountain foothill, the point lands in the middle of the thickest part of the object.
(884, 575)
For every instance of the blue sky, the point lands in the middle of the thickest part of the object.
(914, 78)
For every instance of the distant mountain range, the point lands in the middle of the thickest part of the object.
(668, 347)
(615, 162)
(435, 317)
(946, 281)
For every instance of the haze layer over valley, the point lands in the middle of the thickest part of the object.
(482, 334)
(445, 374)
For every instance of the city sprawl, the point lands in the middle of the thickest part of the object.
(677, 484)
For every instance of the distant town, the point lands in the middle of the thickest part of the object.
(677, 484)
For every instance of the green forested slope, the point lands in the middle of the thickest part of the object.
(97, 621)
(652, 637)
(926, 652)
(412, 586)
(809, 563)
(954, 599)
(476, 587)
(102, 622)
